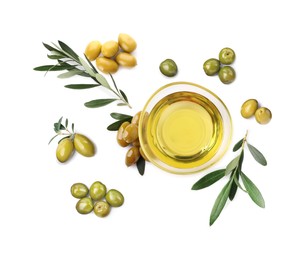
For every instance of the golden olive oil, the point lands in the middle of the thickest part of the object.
(184, 130)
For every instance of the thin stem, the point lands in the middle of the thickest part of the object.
(245, 139)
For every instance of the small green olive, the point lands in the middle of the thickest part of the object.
(64, 150)
(248, 108)
(79, 190)
(109, 49)
(84, 205)
(120, 139)
(126, 42)
(97, 190)
(107, 65)
(101, 209)
(227, 56)
(227, 74)
(211, 67)
(132, 156)
(263, 115)
(130, 133)
(93, 50)
(83, 145)
(126, 59)
(114, 198)
(136, 117)
(168, 67)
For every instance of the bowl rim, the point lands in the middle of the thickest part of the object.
(185, 171)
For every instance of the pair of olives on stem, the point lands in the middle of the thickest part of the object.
(250, 108)
(92, 199)
(226, 73)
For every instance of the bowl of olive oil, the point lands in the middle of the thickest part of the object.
(185, 128)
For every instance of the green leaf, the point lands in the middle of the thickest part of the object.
(233, 191)
(241, 160)
(124, 96)
(232, 165)
(220, 203)
(55, 57)
(81, 86)
(115, 126)
(52, 67)
(67, 49)
(208, 179)
(114, 82)
(91, 65)
(69, 74)
(102, 80)
(72, 127)
(52, 138)
(87, 68)
(141, 165)
(238, 145)
(66, 123)
(258, 156)
(119, 116)
(99, 102)
(253, 191)
(122, 104)
(60, 127)
(236, 180)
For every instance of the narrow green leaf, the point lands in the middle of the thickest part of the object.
(58, 124)
(238, 145)
(50, 48)
(141, 165)
(91, 65)
(102, 80)
(99, 102)
(72, 127)
(253, 191)
(232, 165)
(241, 160)
(87, 68)
(208, 179)
(55, 57)
(67, 49)
(233, 191)
(66, 123)
(81, 86)
(220, 202)
(50, 68)
(124, 96)
(236, 180)
(59, 127)
(121, 104)
(258, 156)
(119, 116)
(114, 82)
(52, 138)
(69, 74)
(115, 126)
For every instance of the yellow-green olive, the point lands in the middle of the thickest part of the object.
(136, 143)
(132, 156)
(106, 65)
(79, 190)
(248, 108)
(143, 154)
(263, 115)
(130, 133)
(97, 190)
(126, 42)
(135, 119)
(93, 50)
(102, 209)
(109, 49)
(126, 60)
(120, 139)
(84, 205)
(83, 145)
(64, 150)
(114, 198)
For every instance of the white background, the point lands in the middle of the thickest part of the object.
(161, 218)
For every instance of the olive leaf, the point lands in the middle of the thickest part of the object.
(124, 96)
(69, 74)
(232, 165)
(66, 123)
(208, 179)
(238, 145)
(258, 156)
(81, 86)
(141, 165)
(253, 191)
(68, 50)
(99, 102)
(91, 65)
(116, 125)
(119, 116)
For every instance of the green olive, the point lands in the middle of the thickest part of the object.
(248, 108)
(84, 205)
(93, 50)
(126, 59)
(132, 156)
(263, 115)
(136, 117)
(107, 65)
(101, 209)
(227, 56)
(168, 67)
(130, 133)
(64, 150)
(120, 139)
(114, 198)
(79, 190)
(97, 190)
(211, 67)
(109, 49)
(227, 74)
(126, 42)
(83, 145)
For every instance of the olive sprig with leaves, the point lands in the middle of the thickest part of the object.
(68, 60)
(234, 170)
(61, 129)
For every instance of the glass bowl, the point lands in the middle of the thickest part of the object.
(184, 128)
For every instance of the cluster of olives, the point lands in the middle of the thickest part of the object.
(99, 200)
(111, 54)
(226, 73)
(168, 67)
(128, 135)
(250, 108)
